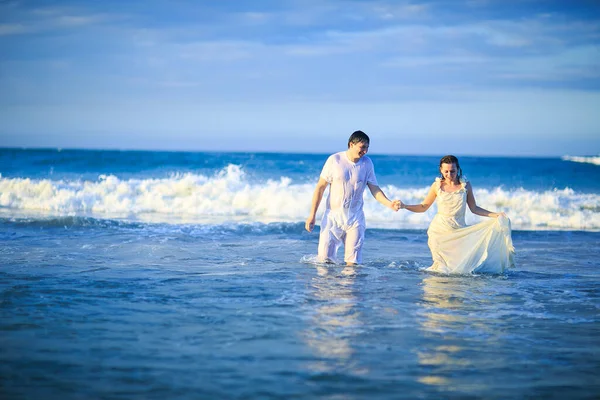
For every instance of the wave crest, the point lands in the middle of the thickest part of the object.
(582, 159)
(228, 196)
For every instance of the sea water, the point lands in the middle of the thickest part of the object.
(158, 275)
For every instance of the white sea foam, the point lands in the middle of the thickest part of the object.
(582, 159)
(230, 197)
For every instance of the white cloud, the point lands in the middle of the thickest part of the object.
(433, 60)
(14, 29)
(223, 50)
(401, 11)
(316, 50)
(78, 20)
(575, 63)
(253, 17)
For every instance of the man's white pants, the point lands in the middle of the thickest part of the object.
(334, 233)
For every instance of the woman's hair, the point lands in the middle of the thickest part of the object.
(450, 159)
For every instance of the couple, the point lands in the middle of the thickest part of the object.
(455, 247)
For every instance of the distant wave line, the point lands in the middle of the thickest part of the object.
(583, 159)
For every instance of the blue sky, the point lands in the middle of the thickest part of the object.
(420, 77)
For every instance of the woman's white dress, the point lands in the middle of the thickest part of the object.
(460, 249)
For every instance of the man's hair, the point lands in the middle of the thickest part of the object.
(358, 137)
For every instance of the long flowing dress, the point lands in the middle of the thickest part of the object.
(457, 248)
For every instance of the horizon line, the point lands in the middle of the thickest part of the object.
(375, 153)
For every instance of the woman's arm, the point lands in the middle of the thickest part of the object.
(425, 204)
(475, 209)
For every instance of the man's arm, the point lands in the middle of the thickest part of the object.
(382, 198)
(316, 200)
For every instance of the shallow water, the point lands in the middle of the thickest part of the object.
(159, 275)
(103, 309)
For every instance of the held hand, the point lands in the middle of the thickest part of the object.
(396, 205)
(310, 224)
(496, 215)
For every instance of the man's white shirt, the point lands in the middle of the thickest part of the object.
(347, 181)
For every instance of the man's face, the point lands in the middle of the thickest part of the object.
(359, 149)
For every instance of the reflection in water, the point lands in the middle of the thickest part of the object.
(335, 320)
(451, 306)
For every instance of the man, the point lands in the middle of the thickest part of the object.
(348, 172)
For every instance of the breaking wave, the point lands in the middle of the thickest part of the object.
(582, 159)
(229, 197)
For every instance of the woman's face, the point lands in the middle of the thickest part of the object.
(449, 172)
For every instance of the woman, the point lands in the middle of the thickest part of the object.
(455, 247)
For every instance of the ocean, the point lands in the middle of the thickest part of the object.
(188, 275)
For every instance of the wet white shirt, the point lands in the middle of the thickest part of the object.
(347, 184)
